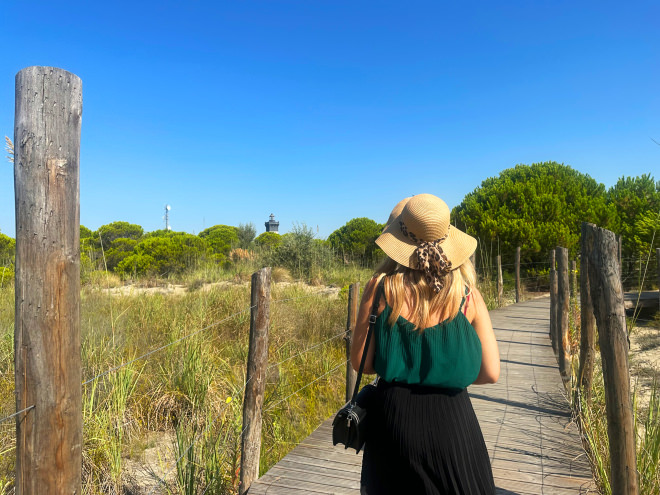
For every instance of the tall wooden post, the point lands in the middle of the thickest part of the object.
(255, 378)
(47, 319)
(553, 302)
(607, 296)
(500, 281)
(573, 278)
(518, 274)
(353, 306)
(657, 263)
(563, 307)
(587, 320)
(619, 246)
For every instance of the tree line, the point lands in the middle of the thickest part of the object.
(536, 207)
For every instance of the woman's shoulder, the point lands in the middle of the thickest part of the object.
(474, 304)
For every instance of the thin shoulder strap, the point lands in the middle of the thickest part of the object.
(465, 298)
(372, 322)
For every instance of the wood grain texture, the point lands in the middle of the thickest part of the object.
(500, 280)
(563, 307)
(532, 441)
(47, 327)
(518, 274)
(587, 320)
(607, 297)
(255, 378)
(553, 302)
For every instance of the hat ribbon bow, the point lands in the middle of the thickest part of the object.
(431, 259)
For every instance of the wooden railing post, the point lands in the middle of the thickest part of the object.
(573, 278)
(518, 274)
(607, 296)
(255, 378)
(353, 306)
(500, 281)
(587, 321)
(47, 319)
(553, 302)
(563, 307)
(657, 263)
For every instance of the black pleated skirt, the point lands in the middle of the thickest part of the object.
(424, 440)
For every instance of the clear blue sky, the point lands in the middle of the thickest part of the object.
(323, 111)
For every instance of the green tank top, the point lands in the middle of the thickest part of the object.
(446, 355)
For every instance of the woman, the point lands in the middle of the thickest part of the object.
(432, 338)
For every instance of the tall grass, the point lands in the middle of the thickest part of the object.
(190, 392)
(592, 421)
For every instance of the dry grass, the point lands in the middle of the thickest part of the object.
(191, 391)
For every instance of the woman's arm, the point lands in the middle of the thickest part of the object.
(361, 329)
(490, 354)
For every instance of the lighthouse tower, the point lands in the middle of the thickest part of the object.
(272, 225)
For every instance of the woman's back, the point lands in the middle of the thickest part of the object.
(446, 355)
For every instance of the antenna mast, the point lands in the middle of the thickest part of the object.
(167, 217)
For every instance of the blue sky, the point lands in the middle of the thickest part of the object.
(323, 111)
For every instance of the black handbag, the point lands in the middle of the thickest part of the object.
(350, 424)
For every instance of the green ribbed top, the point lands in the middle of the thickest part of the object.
(446, 355)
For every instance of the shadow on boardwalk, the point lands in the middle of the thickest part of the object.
(534, 446)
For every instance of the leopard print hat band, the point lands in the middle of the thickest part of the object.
(431, 259)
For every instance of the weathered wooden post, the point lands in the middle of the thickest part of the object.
(657, 263)
(353, 306)
(563, 307)
(607, 297)
(47, 319)
(553, 302)
(500, 281)
(587, 320)
(518, 274)
(255, 378)
(573, 278)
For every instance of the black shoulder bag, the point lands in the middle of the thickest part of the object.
(349, 426)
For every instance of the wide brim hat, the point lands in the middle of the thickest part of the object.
(425, 218)
(397, 209)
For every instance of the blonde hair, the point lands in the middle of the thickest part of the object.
(403, 284)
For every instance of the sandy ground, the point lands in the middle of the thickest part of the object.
(644, 360)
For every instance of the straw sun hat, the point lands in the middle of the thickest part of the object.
(421, 237)
(397, 210)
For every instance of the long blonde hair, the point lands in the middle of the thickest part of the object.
(403, 284)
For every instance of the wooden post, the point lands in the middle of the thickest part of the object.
(619, 245)
(473, 259)
(563, 307)
(587, 320)
(553, 302)
(657, 263)
(255, 378)
(518, 274)
(607, 296)
(573, 278)
(500, 281)
(353, 306)
(47, 319)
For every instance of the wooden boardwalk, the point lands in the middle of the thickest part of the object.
(534, 447)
